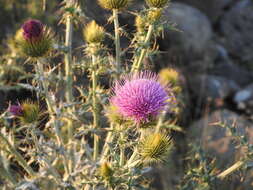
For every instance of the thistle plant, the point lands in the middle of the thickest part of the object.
(103, 136)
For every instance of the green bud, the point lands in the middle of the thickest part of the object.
(105, 171)
(30, 112)
(154, 148)
(93, 33)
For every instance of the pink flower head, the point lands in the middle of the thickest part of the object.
(140, 96)
(32, 29)
(16, 110)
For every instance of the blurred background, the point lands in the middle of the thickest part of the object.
(212, 51)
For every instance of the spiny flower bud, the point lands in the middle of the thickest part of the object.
(169, 75)
(16, 110)
(28, 112)
(113, 115)
(140, 23)
(114, 4)
(157, 3)
(154, 148)
(93, 33)
(36, 40)
(105, 171)
(154, 15)
(32, 29)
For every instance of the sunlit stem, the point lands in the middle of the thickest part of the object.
(68, 58)
(117, 40)
(231, 169)
(138, 62)
(122, 147)
(68, 68)
(95, 106)
(109, 139)
(44, 84)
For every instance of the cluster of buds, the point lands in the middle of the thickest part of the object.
(151, 16)
(36, 40)
(27, 112)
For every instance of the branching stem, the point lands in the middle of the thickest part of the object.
(138, 63)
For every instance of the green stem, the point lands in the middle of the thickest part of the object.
(106, 148)
(18, 156)
(138, 63)
(95, 107)
(69, 70)
(122, 150)
(44, 84)
(160, 122)
(68, 58)
(231, 169)
(117, 40)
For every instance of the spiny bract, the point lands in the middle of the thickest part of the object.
(36, 40)
(154, 148)
(93, 33)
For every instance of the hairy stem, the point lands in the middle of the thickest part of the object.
(44, 84)
(138, 63)
(95, 107)
(68, 58)
(117, 40)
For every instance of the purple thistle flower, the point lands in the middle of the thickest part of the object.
(140, 96)
(16, 110)
(32, 29)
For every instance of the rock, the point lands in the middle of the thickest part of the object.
(216, 140)
(212, 8)
(211, 87)
(218, 143)
(244, 99)
(236, 28)
(196, 32)
(223, 66)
